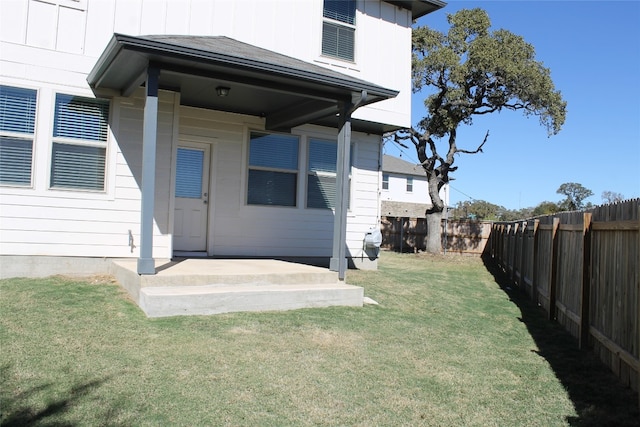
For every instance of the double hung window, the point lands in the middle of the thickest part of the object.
(385, 181)
(273, 169)
(17, 124)
(409, 184)
(321, 174)
(79, 149)
(338, 29)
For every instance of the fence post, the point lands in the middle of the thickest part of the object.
(586, 281)
(554, 269)
(534, 273)
(523, 244)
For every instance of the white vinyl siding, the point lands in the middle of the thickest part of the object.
(273, 169)
(17, 123)
(338, 29)
(79, 143)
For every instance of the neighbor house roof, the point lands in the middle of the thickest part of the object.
(286, 91)
(391, 164)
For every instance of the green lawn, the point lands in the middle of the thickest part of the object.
(446, 346)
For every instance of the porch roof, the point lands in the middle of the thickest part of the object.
(286, 91)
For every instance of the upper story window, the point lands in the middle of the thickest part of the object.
(80, 129)
(385, 181)
(17, 124)
(338, 29)
(409, 184)
(273, 169)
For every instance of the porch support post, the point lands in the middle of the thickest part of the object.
(339, 256)
(146, 263)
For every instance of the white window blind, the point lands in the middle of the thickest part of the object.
(273, 169)
(17, 124)
(80, 132)
(189, 165)
(321, 178)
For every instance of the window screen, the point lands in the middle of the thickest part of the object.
(80, 132)
(17, 124)
(273, 169)
(338, 29)
(321, 178)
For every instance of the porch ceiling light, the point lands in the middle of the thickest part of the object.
(222, 91)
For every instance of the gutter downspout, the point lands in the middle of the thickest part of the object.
(339, 255)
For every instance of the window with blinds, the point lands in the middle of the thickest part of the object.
(17, 127)
(338, 29)
(80, 131)
(273, 169)
(321, 174)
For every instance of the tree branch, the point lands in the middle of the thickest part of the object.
(477, 150)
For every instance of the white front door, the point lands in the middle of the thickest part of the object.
(191, 198)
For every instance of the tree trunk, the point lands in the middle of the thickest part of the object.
(434, 235)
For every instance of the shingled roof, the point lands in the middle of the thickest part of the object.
(391, 164)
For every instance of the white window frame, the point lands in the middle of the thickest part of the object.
(339, 23)
(295, 172)
(318, 173)
(385, 181)
(409, 184)
(80, 142)
(24, 136)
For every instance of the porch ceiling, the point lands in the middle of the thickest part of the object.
(286, 91)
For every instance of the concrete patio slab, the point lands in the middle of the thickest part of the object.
(212, 286)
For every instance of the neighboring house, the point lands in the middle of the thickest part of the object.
(405, 190)
(154, 128)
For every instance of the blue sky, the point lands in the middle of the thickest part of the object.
(593, 51)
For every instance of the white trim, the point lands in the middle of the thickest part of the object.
(108, 192)
(33, 137)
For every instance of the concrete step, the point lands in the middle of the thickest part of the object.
(214, 299)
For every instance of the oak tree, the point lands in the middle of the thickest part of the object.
(471, 71)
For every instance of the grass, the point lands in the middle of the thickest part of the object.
(448, 345)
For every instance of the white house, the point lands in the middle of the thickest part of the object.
(405, 190)
(153, 128)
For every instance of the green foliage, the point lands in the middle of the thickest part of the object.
(476, 71)
(575, 195)
(478, 209)
(546, 208)
(469, 71)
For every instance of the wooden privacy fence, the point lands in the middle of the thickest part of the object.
(583, 269)
(408, 235)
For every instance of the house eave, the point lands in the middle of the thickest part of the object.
(418, 8)
(279, 83)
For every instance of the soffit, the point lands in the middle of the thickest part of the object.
(418, 8)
